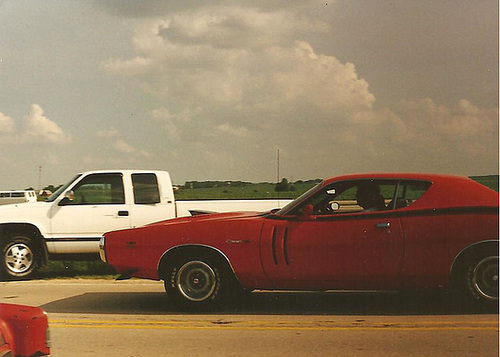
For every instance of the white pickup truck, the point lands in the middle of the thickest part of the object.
(69, 224)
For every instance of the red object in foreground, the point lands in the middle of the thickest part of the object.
(24, 331)
(364, 232)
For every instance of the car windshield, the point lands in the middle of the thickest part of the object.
(61, 189)
(297, 201)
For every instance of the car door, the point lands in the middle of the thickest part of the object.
(98, 206)
(349, 249)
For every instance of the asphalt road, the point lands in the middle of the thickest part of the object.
(133, 318)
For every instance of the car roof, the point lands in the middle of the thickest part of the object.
(445, 191)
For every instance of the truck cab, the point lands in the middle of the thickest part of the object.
(72, 220)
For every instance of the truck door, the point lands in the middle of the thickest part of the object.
(152, 202)
(98, 206)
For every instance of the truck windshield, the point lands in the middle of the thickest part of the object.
(61, 189)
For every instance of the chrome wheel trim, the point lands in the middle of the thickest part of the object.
(196, 281)
(485, 278)
(19, 258)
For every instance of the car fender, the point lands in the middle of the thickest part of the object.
(7, 343)
(173, 251)
(489, 244)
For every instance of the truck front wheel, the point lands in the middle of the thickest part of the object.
(19, 257)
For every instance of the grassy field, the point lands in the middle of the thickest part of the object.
(247, 191)
(490, 181)
(266, 190)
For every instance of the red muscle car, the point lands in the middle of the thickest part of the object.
(364, 232)
(24, 331)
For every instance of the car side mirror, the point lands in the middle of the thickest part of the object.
(307, 212)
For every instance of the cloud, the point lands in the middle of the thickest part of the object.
(6, 124)
(42, 129)
(114, 138)
(240, 67)
(108, 133)
(238, 82)
(37, 128)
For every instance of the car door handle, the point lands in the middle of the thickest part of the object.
(383, 225)
(123, 213)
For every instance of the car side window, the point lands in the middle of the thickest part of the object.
(409, 192)
(99, 189)
(145, 189)
(367, 195)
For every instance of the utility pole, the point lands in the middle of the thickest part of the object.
(278, 168)
(40, 177)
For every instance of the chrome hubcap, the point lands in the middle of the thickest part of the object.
(196, 281)
(485, 278)
(19, 258)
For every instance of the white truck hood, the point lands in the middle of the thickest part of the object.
(32, 212)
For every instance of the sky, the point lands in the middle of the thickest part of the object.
(213, 91)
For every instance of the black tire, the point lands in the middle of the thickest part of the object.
(198, 283)
(477, 279)
(19, 257)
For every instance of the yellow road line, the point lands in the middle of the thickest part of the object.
(270, 325)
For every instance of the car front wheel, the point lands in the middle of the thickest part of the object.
(198, 283)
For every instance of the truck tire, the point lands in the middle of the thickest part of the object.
(198, 283)
(19, 257)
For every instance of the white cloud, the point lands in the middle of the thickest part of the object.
(237, 82)
(123, 147)
(37, 129)
(108, 133)
(41, 128)
(6, 124)
(240, 68)
(120, 146)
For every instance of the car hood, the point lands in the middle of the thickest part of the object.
(211, 217)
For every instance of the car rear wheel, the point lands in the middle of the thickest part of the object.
(197, 283)
(484, 278)
(19, 257)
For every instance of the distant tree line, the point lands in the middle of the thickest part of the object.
(282, 186)
(213, 184)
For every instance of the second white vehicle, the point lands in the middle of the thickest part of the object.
(71, 222)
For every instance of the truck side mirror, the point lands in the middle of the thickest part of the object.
(69, 196)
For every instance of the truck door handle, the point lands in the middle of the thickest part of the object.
(383, 225)
(123, 213)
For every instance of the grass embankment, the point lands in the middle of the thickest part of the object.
(245, 191)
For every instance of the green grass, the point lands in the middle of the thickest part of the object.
(76, 269)
(490, 181)
(247, 191)
(266, 190)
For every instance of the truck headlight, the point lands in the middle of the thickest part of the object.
(102, 251)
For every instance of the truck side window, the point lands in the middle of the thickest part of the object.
(145, 189)
(99, 189)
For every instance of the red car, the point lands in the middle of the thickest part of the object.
(24, 331)
(363, 232)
